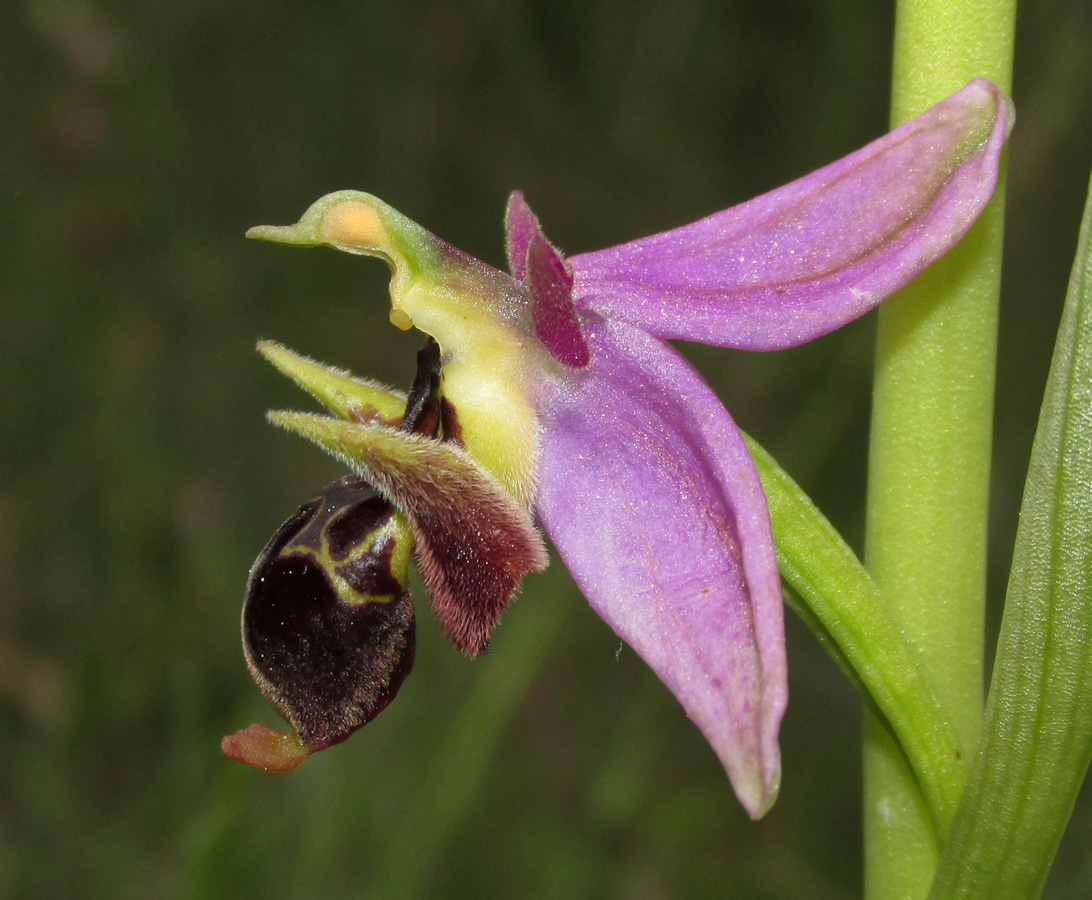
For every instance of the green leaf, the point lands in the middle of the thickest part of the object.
(843, 607)
(1037, 735)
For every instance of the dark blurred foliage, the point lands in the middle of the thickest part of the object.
(138, 480)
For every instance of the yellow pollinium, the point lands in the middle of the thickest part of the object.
(353, 224)
(400, 320)
(479, 316)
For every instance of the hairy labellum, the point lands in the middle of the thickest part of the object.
(328, 624)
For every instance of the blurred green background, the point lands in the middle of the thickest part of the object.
(138, 480)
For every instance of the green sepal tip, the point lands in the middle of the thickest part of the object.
(345, 395)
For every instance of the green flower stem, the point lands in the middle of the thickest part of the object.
(837, 599)
(1037, 735)
(930, 446)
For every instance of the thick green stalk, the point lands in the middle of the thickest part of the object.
(930, 446)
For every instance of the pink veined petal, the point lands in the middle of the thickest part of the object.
(654, 503)
(806, 258)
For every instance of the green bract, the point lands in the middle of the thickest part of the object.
(1037, 735)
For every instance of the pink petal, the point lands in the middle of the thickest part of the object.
(806, 258)
(654, 503)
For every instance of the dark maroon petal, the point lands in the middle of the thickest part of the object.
(474, 543)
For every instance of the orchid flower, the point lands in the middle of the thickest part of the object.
(557, 392)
